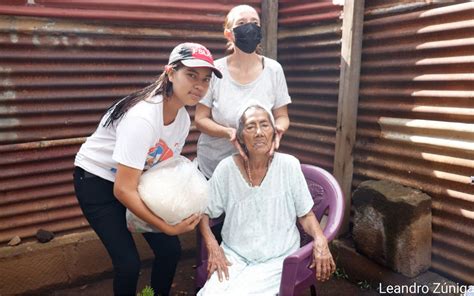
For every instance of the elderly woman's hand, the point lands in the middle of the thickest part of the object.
(322, 259)
(217, 261)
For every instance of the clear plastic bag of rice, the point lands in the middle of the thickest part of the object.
(173, 190)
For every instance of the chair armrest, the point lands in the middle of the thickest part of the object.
(336, 215)
(295, 273)
(334, 201)
(332, 226)
(301, 255)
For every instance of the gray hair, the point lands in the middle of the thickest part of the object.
(242, 118)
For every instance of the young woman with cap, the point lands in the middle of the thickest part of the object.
(142, 129)
(247, 76)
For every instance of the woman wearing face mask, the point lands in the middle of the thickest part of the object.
(247, 75)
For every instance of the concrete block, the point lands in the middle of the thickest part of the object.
(392, 226)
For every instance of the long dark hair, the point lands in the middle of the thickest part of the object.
(161, 86)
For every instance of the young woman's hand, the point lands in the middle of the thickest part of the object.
(184, 226)
(217, 261)
(322, 259)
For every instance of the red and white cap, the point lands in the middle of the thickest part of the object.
(193, 55)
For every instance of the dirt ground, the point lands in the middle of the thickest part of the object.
(184, 284)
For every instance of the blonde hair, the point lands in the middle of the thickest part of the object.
(229, 23)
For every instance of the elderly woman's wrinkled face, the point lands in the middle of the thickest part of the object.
(258, 131)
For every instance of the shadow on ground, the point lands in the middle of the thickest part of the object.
(184, 284)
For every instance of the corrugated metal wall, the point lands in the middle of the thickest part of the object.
(309, 49)
(416, 114)
(415, 123)
(58, 76)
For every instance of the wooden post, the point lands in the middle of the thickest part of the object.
(348, 100)
(269, 23)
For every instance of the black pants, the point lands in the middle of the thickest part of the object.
(106, 215)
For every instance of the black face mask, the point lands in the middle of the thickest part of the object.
(247, 37)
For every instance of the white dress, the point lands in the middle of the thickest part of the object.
(259, 229)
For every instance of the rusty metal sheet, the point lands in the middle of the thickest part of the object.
(309, 49)
(36, 188)
(304, 14)
(157, 12)
(14, 2)
(416, 121)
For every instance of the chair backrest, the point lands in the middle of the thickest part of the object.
(328, 200)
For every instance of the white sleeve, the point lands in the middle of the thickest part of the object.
(184, 128)
(215, 207)
(134, 136)
(281, 90)
(181, 143)
(299, 188)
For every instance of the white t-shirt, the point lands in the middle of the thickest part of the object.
(139, 140)
(226, 98)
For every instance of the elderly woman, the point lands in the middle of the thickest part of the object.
(261, 196)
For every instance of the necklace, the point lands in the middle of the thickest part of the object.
(249, 173)
(247, 168)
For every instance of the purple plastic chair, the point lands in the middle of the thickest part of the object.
(296, 276)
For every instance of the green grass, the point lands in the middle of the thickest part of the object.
(147, 291)
(340, 273)
(364, 285)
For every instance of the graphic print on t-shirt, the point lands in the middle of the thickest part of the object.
(159, 152)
